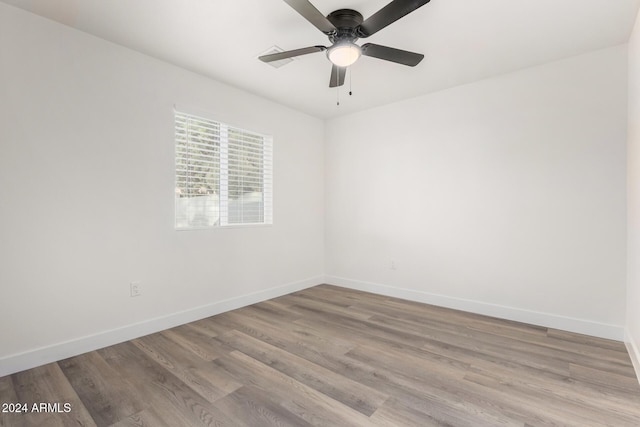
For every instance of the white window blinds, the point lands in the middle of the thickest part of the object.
(223, 174)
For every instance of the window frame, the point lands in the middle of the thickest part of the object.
(223, 173)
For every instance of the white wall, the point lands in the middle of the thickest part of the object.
(87, 197)
(633, 196)
(504, 197)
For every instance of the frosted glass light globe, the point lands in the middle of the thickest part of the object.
(344, 54)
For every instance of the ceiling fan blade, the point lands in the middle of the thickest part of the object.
(337, 76)
(313, 15)
(388, 15)
(291, 53)
(391, 54)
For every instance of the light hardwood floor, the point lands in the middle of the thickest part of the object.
(336, 357)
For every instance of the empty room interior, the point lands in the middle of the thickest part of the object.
(335, 212)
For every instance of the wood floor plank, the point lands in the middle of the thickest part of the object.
(568, 412)
(508, 350)
(338, 387)
(195, 340)
(594, 342)
(394, 413)
(104, 393)
(605, 380)
(8, 395)
(344, 296)
(584, 403)
(300, 399)
(250, 407)
(48, 384)
(326, 306)
(147, 418)
(486, 328)
(442, 389)
(565, 388)
(345, 328)
(272, 330)
(161, 389)
(187, 367)
(330, 356)
(277, 311)
(568, 383)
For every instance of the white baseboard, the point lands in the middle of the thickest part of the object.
(633, 348)
(41, 356)
(547, 320)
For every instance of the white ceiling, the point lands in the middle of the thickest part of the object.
(463, 41)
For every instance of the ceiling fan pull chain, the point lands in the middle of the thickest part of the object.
(350, 80)
(338, 96)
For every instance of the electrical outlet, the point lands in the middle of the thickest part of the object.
(393, 265)
(136, 289)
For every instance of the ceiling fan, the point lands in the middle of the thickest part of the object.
(344, 27)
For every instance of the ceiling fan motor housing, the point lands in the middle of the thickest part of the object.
(346, 21)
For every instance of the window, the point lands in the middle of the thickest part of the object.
(223, 174)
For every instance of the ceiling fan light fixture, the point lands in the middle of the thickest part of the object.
(344, 54)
